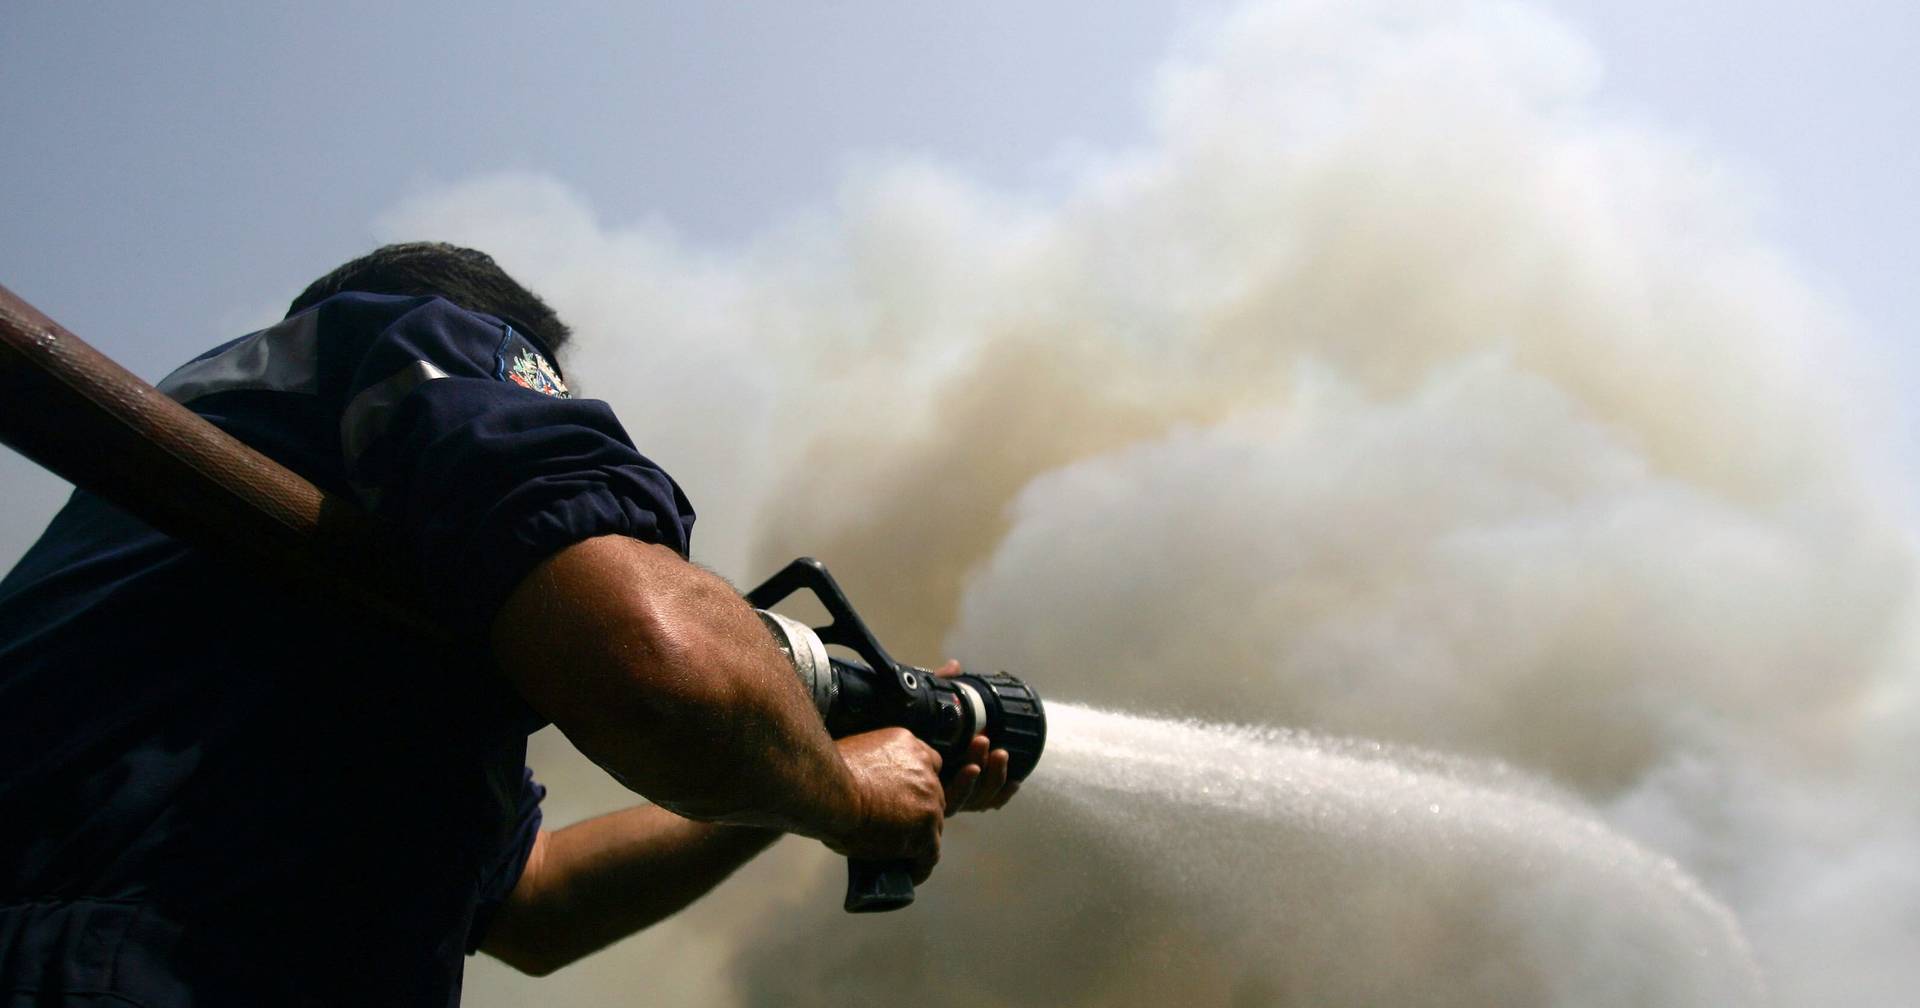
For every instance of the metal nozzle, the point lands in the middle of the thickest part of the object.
(1015, 720)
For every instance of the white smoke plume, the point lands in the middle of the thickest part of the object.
(1391, 391)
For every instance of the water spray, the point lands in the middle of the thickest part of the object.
(852, 697)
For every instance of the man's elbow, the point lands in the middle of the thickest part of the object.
(534, 962)
(526, 932)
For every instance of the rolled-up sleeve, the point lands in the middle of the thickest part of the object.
(486, 469)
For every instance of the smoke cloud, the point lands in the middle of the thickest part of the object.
(1392, 391)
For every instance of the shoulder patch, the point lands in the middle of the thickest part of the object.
(520, 363)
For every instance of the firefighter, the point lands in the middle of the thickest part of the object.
(216, 793)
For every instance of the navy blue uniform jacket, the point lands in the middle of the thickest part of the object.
(212, 793)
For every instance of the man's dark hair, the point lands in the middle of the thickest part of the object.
(463, 276)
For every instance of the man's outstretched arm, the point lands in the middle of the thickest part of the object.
(601, 880)
(662, 675)
(596, 882)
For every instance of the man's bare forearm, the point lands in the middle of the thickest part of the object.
(660, 673)
(596, 882)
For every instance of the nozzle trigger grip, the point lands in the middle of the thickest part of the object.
(876, 886)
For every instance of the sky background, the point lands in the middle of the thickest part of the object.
(174, 173)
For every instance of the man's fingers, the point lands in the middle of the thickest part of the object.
(1006, 795)
(961, 791)
(930, 754)
(993, 780)
(929, 856)
(949, 670)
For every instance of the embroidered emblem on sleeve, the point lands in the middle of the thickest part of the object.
(523, 365)
(530, 370)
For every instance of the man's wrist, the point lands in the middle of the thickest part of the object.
(833, 808)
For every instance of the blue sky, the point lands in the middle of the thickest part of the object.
(174, 172)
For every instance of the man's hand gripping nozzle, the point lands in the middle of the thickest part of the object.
(944, 712)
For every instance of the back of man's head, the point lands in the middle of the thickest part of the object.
(463, 276)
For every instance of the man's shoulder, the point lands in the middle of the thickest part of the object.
(325, 348)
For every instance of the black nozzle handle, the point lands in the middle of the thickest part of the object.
(846, 629)
(877, 886)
